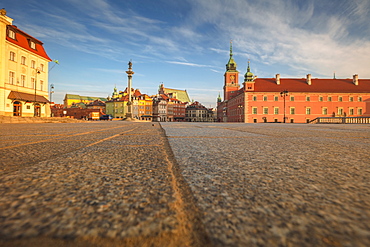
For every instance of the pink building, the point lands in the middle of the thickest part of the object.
(299, 100)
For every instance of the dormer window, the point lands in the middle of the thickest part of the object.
(11, 34)
(33, 45)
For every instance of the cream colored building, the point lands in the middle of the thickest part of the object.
(23, 72)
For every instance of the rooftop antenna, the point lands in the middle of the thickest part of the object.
(334, 76)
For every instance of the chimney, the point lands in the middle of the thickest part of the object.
(278, 79)
(308, 80)
(355, 79)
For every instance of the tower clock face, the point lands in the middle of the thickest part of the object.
(232, 77)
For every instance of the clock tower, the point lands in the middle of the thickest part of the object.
(231, 75)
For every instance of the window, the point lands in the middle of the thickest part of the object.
(291, 98)
(308, 111)
(254, 98)
(33, 45)
(340, 98)
(329, 98)
(11, 34)
(308, 98)
(351, 111)
(23, 60)
(276, 98)
(320, 98)
(324, 111)
(33, 64)
(12, 56)
(265, 110)
(351, 99)
(359, 99)
(340, 111)
(276, 110)
(11, 77)
(41, 67)
(42, 85)
(254, 110)
(264, 98)
(359, 111)
(292, 110)
(23, 80)
(33, 83)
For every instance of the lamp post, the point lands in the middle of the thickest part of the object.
(37, 70)
(240, 112)
(129, 102)
(284, 94)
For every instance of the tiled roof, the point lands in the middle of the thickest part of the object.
(22, 39)
(181, 95)
(27, 97)
(317, 85)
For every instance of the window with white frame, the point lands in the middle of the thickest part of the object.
(254, 110)
(329, 98)
(276, 110)
(308, 110)
(292, 110)
(265, 110)
(340, 98)
(351, 111)
(11, 34)
(41, 67)
(264, 98)
(276, 98)
(33, 64)
(324, 111)
(254, 98)
(340, 111)
(359, 99)
(359, 111)
(12, 56)
(291, 98)
(33, 45)
(23, 60)
(33, 83)
(308, 98)
(11, 77)
(23, 80)
(41, 85)
(351, 99)
(320, 98)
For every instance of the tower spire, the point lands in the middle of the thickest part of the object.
(231, 48)
(231, 65)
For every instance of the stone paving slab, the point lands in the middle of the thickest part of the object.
(277, 184)
(102, 184)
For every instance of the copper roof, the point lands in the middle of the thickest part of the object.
(27, 97)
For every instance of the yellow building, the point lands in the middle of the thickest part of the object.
(73, 99)
(23, 72)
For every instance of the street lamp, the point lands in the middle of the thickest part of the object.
(284, 94)
(240, 112)
(37, 70)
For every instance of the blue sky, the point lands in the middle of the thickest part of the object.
(185, 44)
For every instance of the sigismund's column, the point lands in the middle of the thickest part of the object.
(129, 102)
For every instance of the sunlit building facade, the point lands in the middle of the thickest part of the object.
(23, 72)
(290, 100)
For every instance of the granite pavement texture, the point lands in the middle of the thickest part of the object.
(277, 184)
(122, 183)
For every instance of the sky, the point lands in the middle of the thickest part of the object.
(185, 44)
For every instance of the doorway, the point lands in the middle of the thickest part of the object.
(17, 109)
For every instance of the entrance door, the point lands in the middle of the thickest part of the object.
(37, 110)
(17, 107)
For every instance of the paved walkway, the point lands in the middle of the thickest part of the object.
(277, 184)
(188, 184)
